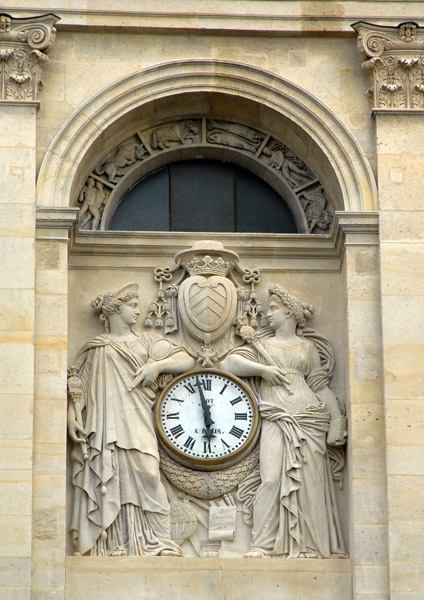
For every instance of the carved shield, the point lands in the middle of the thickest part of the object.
(207, 306)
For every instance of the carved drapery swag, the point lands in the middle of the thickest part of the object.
(395, 62)
(24, 44)
(105, 186)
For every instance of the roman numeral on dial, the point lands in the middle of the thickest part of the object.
(173, 415)
(189, 443)
(235, 401)
(206, 384)
(177, 431)
(236, 432)
(190, 388)
(240, 416)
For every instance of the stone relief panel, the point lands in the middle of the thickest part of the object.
(176, 133)
(234, 135)
(112, 169)
(183, 437)
(24, 44)
(395, 62)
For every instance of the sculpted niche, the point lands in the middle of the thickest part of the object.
(216, 436)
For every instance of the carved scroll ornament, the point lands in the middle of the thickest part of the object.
(395, 63)
(24, 44)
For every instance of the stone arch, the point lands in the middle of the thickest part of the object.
(181, 88)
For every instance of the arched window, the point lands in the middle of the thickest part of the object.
(204, 196)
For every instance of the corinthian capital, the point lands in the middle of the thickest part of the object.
(394, 59)
(24, 44)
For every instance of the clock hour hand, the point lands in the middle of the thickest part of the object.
(206, 411)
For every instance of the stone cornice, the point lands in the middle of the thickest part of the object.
(226, 17)
(129, 248)
(55, 224)
(24, 44)
(394, 59)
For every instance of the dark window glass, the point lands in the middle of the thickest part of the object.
(259, 207)
(146, 206)
(203, 195)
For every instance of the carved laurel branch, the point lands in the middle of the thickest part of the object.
(395, 64)
(208, 485)
(23, 48)
(119, 163)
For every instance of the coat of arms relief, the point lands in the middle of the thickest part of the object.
(212, 433)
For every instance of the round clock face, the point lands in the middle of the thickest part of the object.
(207, 419)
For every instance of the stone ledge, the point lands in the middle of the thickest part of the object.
(113, 564)
(158, 578)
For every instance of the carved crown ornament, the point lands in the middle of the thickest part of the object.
(24, 44)
(395, 62)
(126, 164)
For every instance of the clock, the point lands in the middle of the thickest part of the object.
(207, 419)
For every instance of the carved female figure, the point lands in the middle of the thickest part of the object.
(294, 512)
(120, 505)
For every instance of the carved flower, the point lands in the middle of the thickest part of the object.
(5, 53)
(391, 87)
(408, 63)
(20, 78)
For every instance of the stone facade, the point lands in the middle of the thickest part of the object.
(100, 94)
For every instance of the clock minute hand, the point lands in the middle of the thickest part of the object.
(206, 411)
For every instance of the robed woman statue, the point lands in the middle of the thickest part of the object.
(120, 506)
(294, 510)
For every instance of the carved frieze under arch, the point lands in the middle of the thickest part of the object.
(259, 152)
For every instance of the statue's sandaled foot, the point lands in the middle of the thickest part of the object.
(308, 555)
(118, 552)
(254, 553)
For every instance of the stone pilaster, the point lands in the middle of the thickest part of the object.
(361, 285)
(395, 59)
(50, 401)
(23, 43)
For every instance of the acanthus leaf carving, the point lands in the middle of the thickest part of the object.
(24, 48)
(395, 62)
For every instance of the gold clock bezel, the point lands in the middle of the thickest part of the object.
(204, 464)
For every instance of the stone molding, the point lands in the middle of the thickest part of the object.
(24, 44)
(395, 63)
(64, 168)
(253, 18)
(55, 223)
(132, 248)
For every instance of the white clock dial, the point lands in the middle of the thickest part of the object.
(207, 419)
